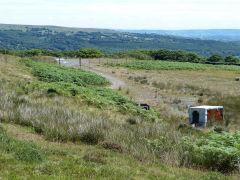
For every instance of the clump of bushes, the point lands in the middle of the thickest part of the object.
(55, 73)
(216, 151)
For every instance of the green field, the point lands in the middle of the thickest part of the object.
(168, 65)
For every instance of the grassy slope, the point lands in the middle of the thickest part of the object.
(68, 160)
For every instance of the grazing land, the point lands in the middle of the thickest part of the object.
(65, 123)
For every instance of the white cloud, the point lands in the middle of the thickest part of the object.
(131, 14)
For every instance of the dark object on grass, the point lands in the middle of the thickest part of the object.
(145, 106)
(237, 78)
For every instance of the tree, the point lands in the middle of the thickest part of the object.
(162, 54)
(192, 57)
(215, 58)
(90, 53)
(33, 52)
(231, 59)
(178, 55)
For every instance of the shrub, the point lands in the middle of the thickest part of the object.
(92, 137)
(220, 152)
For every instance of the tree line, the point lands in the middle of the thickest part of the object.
(161, 54)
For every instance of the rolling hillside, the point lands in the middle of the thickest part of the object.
(213, 34)
(20, 37)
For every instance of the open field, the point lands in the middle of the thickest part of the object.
(171, 91)
(69, 137)
(169, 65)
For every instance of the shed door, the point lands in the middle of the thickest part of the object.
(195, 115)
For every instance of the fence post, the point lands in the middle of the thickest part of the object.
(59, 61)
(80, 62)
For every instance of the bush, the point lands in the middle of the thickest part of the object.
(220, 152)
(92, 137)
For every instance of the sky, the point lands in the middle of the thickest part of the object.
(124, 14)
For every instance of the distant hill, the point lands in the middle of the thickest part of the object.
(213, 34)
(20, 37)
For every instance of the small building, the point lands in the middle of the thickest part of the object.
(199, 116)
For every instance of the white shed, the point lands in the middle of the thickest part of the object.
(201, 115)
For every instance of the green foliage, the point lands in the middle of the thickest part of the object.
(215, 58)
(55, 73)
(160, 65)
(59, 80)
(215, 151)
(89, 53)
(22, 150)
(192, 57)
(231, 59)
(168, 65)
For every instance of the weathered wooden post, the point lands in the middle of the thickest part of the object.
(59, 60)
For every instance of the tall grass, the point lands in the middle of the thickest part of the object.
(60, 124)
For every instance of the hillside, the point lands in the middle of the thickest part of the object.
(61, 122)
(20, 37)
(214, 34)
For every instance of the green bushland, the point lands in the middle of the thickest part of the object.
(55, 73)
(58, 80)
(168, 65)
(215, 151)
(22, 150)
